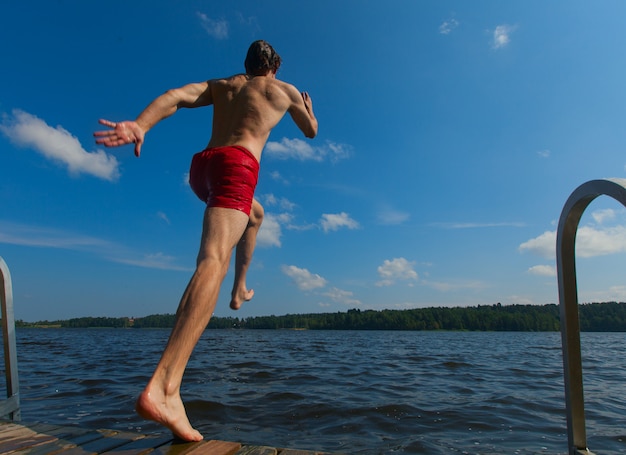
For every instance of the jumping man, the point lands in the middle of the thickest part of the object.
(224, 176)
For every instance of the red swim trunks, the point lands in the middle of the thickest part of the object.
(225, 177)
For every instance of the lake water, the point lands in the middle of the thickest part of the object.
(363, 392)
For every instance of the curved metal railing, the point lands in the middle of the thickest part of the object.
(11, 406)
(568, 301)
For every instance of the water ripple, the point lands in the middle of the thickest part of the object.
(351, 392)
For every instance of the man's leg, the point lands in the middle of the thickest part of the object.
(160, 401)
(243, 257)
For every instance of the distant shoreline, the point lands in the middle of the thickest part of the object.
(594, 317)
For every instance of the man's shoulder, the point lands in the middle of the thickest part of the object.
(286, 87)
(228, 79)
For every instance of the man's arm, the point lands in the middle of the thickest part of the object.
(301, 112)
(127, 132)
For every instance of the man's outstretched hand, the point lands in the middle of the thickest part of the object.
(123, 133)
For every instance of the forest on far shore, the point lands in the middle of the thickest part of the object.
(594, 317)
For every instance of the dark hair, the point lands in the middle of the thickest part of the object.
(261, 59)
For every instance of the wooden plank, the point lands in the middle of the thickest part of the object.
(257, 450)
(211, 447)
(45, 439)
(49, 448)
(56, 444)
(8, 427)
(141, 446)
(300, 452)
(214, 447)
(110, 440)
(85, 438)
(177, 447)
(15, 437)
(84, 442)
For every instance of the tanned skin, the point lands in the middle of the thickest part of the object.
(246, 108)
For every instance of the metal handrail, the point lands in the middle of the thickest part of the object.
(568, 301)
(11, 406)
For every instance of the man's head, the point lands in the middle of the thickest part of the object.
(262, 59)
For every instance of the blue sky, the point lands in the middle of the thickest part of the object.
(451, 134)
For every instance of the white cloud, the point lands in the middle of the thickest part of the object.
(304, 151)
(544, 153)
(590, 242)
(601, 216)
(164, 217)
(444, 286)
(613, 294)
(338, 152)
(502, 36)
(341, 296)
(276, 176)
(270, 200)
(334, 221)
(396, 269)
(58, 144)
(594, 242)
(390, 216)
(270, 232)
(471, 225)
(153, 261)
(43, 237)
(543, 245)
(26, 235)
(447, 26)
(304, 280)
(218, 29)
(543, 270)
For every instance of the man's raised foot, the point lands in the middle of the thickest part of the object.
(240, 296)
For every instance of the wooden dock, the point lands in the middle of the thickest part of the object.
(45, 439)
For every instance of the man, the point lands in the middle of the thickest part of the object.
(246, 108)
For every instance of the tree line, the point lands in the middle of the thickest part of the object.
(594, 317)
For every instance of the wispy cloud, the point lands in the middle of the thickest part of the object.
(471, 225)
(447, 26)
(304, 151)
(544, 153)
(341, 296)
(304, 280)
(153, 261)
(37, 236)
(502, 36)
(391, 216)
(44, 237)
(335, 221)
(58, 144)
(394, 270)
(447, 286)
(164, 217)
(217, 28)
(276, 176)
(269, 200)
(613, 293)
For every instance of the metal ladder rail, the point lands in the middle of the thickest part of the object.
(568, 302)
(11, 406)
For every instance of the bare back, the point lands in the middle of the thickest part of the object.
(246, 108)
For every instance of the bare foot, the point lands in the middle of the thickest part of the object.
(169, 412)
(238, 297)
